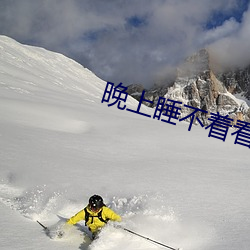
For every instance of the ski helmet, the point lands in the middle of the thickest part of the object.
(95, 202)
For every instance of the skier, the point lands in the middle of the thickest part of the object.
(95, 214)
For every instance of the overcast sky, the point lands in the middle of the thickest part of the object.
(131, 41)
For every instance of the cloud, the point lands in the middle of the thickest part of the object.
(125, 41)
(233, 49)
(228, 28)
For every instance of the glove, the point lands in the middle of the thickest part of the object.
(62, 229)
(118, 226)
(60, 234)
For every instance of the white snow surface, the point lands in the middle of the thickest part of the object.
(60, 145)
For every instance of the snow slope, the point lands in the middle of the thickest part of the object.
(59, 145)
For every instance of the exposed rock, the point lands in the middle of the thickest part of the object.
(135, 90)
(198, 86)
(237, 81)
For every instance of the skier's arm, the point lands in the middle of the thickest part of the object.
(110, 214)
(77, 217)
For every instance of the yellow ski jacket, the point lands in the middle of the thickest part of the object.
(94, 223)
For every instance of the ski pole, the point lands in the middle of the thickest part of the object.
(45, 228)
(146, 238)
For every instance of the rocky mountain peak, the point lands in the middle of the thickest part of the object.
(237, 81)
(197, 64)
(198, 86)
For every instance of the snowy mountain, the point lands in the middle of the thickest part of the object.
(60, 144)
(199, 85)
(237, 81)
